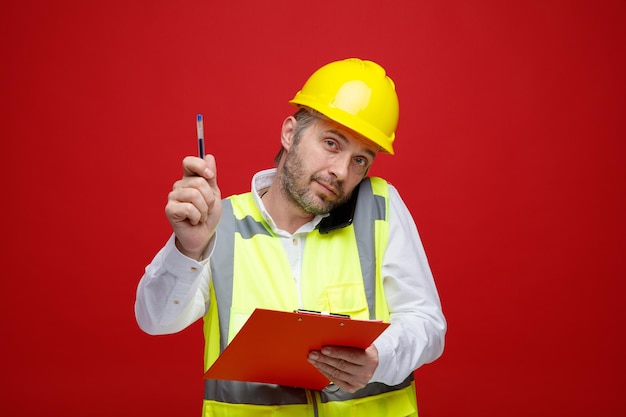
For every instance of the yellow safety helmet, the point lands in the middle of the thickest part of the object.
(357, 94)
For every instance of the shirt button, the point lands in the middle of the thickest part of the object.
(294, 241)
(193, 269)
(176, 302)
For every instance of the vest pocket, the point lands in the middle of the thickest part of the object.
(391, 404)
(348, 298)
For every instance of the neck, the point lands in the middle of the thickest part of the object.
(286, 214)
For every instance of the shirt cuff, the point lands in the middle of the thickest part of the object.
(181, 265)
(186, 272)
(385, 366)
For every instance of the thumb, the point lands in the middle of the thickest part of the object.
(210, 173)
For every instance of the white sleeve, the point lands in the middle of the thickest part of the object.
(417, 331)
(173, 292)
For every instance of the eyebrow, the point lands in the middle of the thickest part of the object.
(345, 139)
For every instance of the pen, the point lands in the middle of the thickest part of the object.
(200, 132)
(322, 313)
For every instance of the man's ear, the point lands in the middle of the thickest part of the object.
(287, 132)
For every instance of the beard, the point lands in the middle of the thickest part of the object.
(295, 183)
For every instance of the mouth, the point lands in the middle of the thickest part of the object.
(328, 189)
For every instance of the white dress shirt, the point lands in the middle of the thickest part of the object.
(173, 292)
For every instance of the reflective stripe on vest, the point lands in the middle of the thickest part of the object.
(233, 392)
(368, 234)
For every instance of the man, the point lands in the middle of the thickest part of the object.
(314, 233)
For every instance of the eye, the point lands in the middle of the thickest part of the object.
(361, 165)
(362, 162)
(331, 143)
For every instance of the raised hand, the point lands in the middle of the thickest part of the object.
(194, 205)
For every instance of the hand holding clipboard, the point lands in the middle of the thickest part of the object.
(273, 347)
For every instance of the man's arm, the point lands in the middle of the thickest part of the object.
(417, 332)
(418, 327)
(174, 288)
(172, 293)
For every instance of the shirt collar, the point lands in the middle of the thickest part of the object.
(263, 179)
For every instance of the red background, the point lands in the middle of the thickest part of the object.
(510, 155)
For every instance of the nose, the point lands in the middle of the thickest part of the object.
(340, 165)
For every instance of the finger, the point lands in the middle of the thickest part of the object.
(210, 174)
(336, 369)
(354, 367)
(207, 187)
(197, 167)
(343, 380)
(195, 183)
(178, 212)
(343, 354)
(194, 167)
(190, 201)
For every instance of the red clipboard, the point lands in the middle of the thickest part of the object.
(272, 347)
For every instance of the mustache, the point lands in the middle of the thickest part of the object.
(330, 182)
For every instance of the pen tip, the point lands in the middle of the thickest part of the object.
(199, 117)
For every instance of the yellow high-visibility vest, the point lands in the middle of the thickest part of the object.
(341, 273)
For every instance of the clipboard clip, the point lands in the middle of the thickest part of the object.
(322, 313)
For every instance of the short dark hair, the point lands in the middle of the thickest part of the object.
(304, 118)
